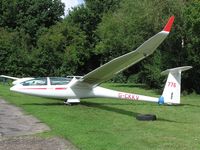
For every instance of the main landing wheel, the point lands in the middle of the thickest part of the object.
(67, 103)
(146, 117)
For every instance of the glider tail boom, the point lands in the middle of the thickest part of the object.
(172, 89)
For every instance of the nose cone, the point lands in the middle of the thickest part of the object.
(14, 82)
(17, 88)
(14, 88)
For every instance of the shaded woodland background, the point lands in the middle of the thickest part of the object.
(36, 40)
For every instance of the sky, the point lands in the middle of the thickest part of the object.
(71, 3)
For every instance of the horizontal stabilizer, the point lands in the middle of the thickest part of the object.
(173, 70)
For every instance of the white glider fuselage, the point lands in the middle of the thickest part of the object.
(69, 91)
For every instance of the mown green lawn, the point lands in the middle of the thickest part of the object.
(110, 124)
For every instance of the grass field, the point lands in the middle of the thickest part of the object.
(110, 124)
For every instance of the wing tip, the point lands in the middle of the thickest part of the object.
(168, 26)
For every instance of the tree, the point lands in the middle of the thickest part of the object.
(191, 44)
(5, 49)
(30, 15)
(8, 13)
(60, 51)
(87, 17)
(14, 59)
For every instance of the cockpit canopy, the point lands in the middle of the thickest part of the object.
(59, 80)
(47, 81)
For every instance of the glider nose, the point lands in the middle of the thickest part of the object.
(14, 82)
(13, 88)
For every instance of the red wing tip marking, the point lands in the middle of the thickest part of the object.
(168, 26)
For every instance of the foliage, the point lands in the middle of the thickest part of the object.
(36, 41)
(5, 49)
(13, 58)
(87, 17)
(30, 15)
(60, 50)
(191, 44)
(151, 71)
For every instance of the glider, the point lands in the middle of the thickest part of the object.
(73, 88)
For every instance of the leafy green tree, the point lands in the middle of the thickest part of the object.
(87, 17)
(191, 44)
(14, 59)
(22, 22)
(60, 51)
(30, 15)
(5, 49)
(8, 13)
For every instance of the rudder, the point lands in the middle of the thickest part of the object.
(172, 89)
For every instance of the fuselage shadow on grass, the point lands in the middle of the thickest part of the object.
(46, 104)
(119, 110)
(111, 106)
(189, 105)
(108, 106)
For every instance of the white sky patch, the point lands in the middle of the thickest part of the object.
(70, 4)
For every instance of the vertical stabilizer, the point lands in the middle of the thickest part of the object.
(172, 89)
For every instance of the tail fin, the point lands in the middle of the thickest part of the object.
(172, 89)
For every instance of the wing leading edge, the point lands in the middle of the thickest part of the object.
(121, 63)
(9, 77)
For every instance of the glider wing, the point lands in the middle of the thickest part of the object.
(119, 64)
(9, 77)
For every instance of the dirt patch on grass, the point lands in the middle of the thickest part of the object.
(17, 129)
(35, 143)
(13, 122)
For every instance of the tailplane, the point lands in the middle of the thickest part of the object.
(172, 89)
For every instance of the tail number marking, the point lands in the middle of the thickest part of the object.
(128, 96)
(172, 84)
